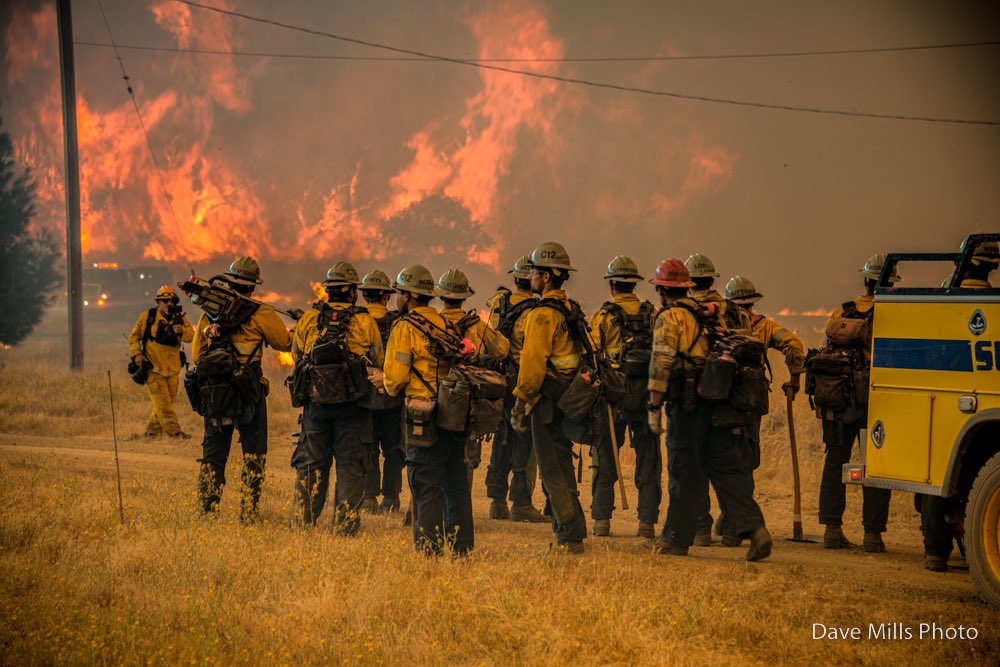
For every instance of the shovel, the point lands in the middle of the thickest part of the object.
(797, 535)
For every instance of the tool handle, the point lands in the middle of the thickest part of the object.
(618, 461)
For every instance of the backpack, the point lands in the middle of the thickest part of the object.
(595, 377)
(140, 374)
(837, 375)
(733, 375)
(635, 352)
(373, 400)
(470, 397)
(218, 386)
(508, 313)
(385, 324)
(330, 374)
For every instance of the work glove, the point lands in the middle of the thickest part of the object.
(654, 418)
(139, 359)
(792, 385)
(296, 313)
(178, 328)
(518, 419)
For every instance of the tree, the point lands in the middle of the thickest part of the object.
(28, 256)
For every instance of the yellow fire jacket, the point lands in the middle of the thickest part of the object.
(775, 336)
(713, 296)
(517, 333)
(607, 334)
(263, 325)
(166, 360)
(408, 353)
(363, 338)
(377, 310)
(548, 349)
(488, 341)
(676, 331)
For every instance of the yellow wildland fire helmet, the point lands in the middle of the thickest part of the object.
(244, 271)
(521, 267)
(377, 280)
(623, 269)
(415, 279)
(341, 274)
(551, 255)
(740, 290)
(699, 266)
(873, 268)
(987, 252)
(165, 293)
(453, 285)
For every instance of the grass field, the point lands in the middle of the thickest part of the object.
(171, 587)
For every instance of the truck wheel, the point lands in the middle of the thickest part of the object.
(983, 531)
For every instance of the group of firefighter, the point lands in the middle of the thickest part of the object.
(379, 385)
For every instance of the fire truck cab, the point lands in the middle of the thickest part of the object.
(934, 401)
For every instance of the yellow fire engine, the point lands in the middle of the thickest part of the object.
(934, 404)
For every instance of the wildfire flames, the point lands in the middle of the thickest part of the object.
(444, 185)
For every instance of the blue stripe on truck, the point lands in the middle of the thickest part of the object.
(925, 354)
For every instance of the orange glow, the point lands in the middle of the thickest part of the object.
(285, 359)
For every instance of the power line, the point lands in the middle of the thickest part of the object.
(596, 59)
(585, 82)
(149, 144)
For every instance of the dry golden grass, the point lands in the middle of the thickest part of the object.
(171, 587)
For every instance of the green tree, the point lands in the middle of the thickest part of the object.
(28, 256)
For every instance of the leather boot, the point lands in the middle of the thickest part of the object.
(873, 543)
(527, 514)
(211, 481)
(571, 547)
(602, 527)
(833, 538)
(703, 540)
(731, 541)
(389, 504)
(936, 563)
(646, 530)
(662, 546)
(251, 479)
(498, 510)
(760, 544)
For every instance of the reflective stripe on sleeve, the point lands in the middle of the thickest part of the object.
(404, 358)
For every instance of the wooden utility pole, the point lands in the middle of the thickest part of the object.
(74, 253)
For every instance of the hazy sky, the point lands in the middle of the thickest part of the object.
(307, 161)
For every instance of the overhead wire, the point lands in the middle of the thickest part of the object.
(149, 144)
(586, 82)
(582, 59)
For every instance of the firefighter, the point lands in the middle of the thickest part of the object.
(841, 430)
(698, 452)
(743, 293)
(386, 411)
(340, 340)
(985, 260)
(155, 342)
(491, 347)
(703, 275)
(511, 454)
(550, 358)
(623, 331)
(243, 339)
(436, 469)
